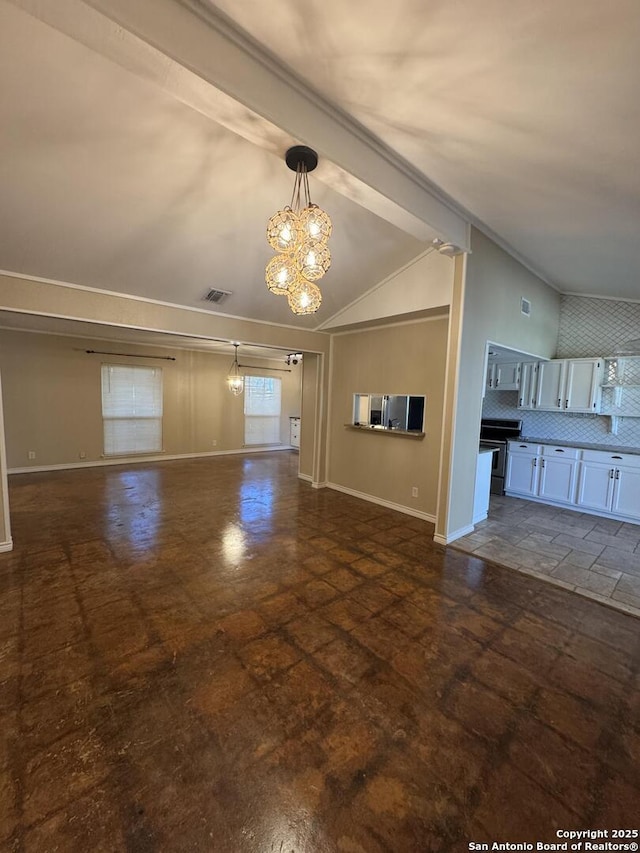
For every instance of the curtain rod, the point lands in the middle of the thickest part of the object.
(260, 367)
(129, 354)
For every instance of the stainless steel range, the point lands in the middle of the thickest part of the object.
(496, 432)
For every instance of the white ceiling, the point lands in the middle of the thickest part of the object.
(526, 114)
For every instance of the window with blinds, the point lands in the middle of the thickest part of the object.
(131, 409)
(262, 396)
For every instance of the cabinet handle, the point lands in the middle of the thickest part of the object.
(533, 401)
(535, 462)
(616, 457)
(520, 403)
(617, 473)
(542, 463)
(611, 472)
(524, 446)
(559, 403)
(559, 450)
(566, 404)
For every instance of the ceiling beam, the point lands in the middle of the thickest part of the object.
(197, 55)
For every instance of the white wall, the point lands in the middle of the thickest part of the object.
(422, 285)
(486, 307)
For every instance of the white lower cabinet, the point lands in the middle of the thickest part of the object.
(294, 432)
(542, 471)
(558, 468)
(595, 481)
(626, 492)
(610, 483)
(522, 468)
(596, 486)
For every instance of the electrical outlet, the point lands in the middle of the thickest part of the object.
(214, 443)
(414, 491)
(32, 454)
(82, 454)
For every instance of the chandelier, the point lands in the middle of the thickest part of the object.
(235, 380)
(299, 234)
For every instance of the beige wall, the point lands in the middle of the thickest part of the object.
(53, 404)
(5, 524)
(486, 307)
(403, 359)
(310, 374)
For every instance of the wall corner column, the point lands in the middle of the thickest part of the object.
(6, 542)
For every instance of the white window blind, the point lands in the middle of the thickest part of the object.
(262, 396)
(131, 409)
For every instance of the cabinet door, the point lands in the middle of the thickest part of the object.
(558, 479)
(626, 492)
(549, 394)
(491, 377)
(582, 384)
(595, 487)
(522, 474)
(527, 386)
(507, 376)
(294, 432)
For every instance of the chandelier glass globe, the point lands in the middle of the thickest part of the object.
(313, 259)
(281, 274)
(282, 230)
(315, 224)
(304, 298)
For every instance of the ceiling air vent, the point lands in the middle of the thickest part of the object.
(216, 296)
(525, 307)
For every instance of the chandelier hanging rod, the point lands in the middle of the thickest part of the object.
(260, 367)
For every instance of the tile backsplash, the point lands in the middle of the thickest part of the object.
(588, 327)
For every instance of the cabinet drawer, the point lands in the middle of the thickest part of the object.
(524, 448)
(558, 452)
(606, 457)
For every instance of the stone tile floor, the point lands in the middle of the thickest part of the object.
(210, 655)
(595, 557)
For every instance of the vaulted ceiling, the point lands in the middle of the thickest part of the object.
(142, 144)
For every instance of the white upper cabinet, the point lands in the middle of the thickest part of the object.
(569, 385)
(528, 384)
(582, 389)
(551, 377)
(503, 377)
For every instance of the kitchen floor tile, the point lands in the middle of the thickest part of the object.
(597, 558)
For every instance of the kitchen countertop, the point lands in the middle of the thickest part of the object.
(607, 448)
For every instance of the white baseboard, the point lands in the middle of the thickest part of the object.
(319, 485)
(416, 513)
(6, 546)
(447, 540)
(306, 477)
(134, 460)
(478, 518)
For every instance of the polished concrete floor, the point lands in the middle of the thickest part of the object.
(590, 555)
(210, 655)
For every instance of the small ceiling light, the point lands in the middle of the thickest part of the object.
(300, 233)
(235, 380)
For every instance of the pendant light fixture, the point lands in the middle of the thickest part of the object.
(299, 233)
(235, 380)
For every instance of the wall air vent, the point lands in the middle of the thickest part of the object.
(525, 307)
(216, 296)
